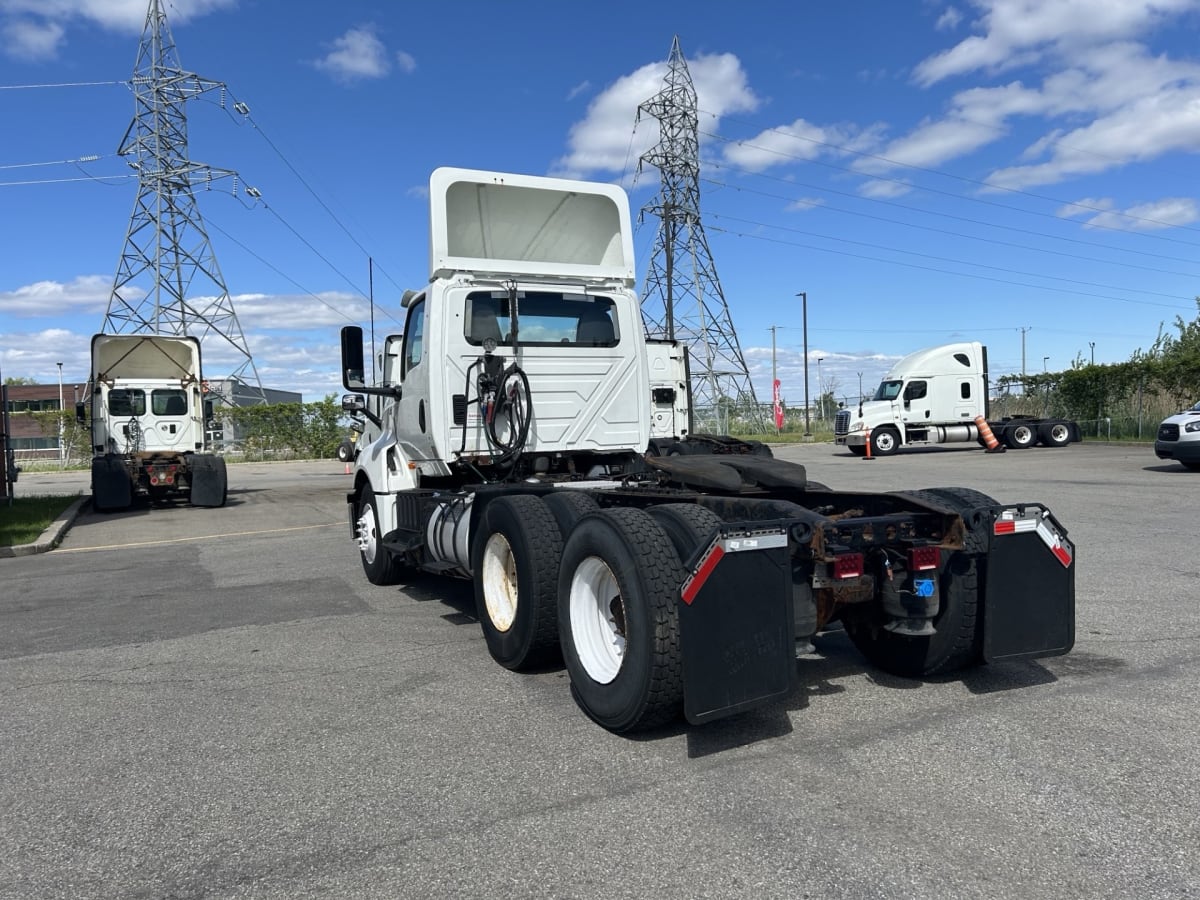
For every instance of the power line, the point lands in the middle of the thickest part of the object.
(100, 178)
(64, 84)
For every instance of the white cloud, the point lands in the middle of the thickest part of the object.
(879, 189)
(1018, 32)
(29, 40)
(804, 204)
(36, 29)
(579, 89)
(356, 55)
(406, 62)
(85, 294)
(948, 20)
(601, 141)
(1168, 212)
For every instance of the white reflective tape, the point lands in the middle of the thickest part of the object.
(758, 542)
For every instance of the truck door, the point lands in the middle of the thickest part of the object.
(413, 428)
(915, 407)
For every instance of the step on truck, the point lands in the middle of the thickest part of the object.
(521, 441)
(148, 423)
(940, 395)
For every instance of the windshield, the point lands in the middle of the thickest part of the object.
(888, 390)
(545, 318)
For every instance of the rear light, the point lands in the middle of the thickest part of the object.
(922, 558)
(848, 565)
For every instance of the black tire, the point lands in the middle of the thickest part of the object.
(856, 450)
(957, 641)
(686, 524)
(1054, 434)
(515, 561)
(380, 564)
(758, 448)
(884, 441)
(618, 588)
(568, 507)
(345, 451)
(810, 485)
(1020, 435)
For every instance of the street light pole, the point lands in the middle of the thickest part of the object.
(1092, 345)
(820, 391)
(803, 295)
(774, 380)
(1045, 359)
(62, 458)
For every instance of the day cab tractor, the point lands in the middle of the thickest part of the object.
(531, 439)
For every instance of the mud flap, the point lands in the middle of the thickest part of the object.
(737, 624)
(1029, 586)
(208, 478)
(111, 487)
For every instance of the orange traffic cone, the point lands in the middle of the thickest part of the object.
(989, 439)
(868, 456)
(347, 467)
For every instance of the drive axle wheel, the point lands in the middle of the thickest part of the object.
(617, 591)
(516, 579)
(1020, 436)
(1054, 434)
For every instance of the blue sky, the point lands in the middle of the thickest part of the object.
(1011, 171)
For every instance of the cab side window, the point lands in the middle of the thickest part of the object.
(414, 337)
(915, 390)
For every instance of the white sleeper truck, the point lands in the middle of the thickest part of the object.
(148, 416)
(531, 440)
(938, 396)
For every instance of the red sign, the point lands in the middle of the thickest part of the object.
(778, 408)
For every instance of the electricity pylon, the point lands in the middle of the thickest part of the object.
(682, 299)
(168, 281)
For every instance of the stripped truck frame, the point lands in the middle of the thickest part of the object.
(529, 438)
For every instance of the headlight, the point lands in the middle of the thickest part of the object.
(858, 426)
(1193, 426)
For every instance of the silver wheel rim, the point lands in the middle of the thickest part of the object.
(499, 576)
(598, 620)
(1023, 434)
(1058, 434)
(884, 442)
(368, 542)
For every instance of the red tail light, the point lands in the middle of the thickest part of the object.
(922, 558)
(848, 565)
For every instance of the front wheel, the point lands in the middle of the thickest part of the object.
(884, 441)
(618, 622)
(380, 565)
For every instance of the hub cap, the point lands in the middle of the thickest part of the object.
(598, 620)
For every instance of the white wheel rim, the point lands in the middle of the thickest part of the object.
(366, 535)
(598, 637)
(499, 577)
(1058, 433)
(884, 442)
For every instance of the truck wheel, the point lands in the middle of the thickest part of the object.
(381, 566)
(857, 450)
(618, 587)
(515, 562)
(1054, 434)
(686, 524)
(884, 441)
(568, 507)
(345, 451)
(957, 636)
(1020, 436)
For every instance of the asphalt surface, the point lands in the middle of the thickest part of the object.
(215, 703)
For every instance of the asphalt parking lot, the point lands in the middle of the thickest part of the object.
(215, 703)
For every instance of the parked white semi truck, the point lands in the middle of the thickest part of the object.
(527, 437)
(936, 396)
(148, 417)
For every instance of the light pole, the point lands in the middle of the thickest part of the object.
(820, 391)
(774, 382)
(1092, 345)
(62, 458)
(803, 295)
(1045, 359)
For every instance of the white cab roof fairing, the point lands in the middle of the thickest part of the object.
(937, 361)
(494, 222)
(145, 356)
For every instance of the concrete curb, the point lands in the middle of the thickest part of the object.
(52, 536)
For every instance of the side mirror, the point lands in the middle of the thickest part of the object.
(352, 358)
(353, 403)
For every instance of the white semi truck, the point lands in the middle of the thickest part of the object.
(527, 437)
(937, 396)
(148, 418)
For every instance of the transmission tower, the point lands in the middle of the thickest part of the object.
(682, 299)
(168, 281)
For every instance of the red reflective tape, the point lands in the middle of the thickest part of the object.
(1004, 526)
(1063, 556)
(693, 585)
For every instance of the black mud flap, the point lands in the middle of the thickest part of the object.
(209, 480)
(1029, 586)
(111, 487)
(737, 623)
